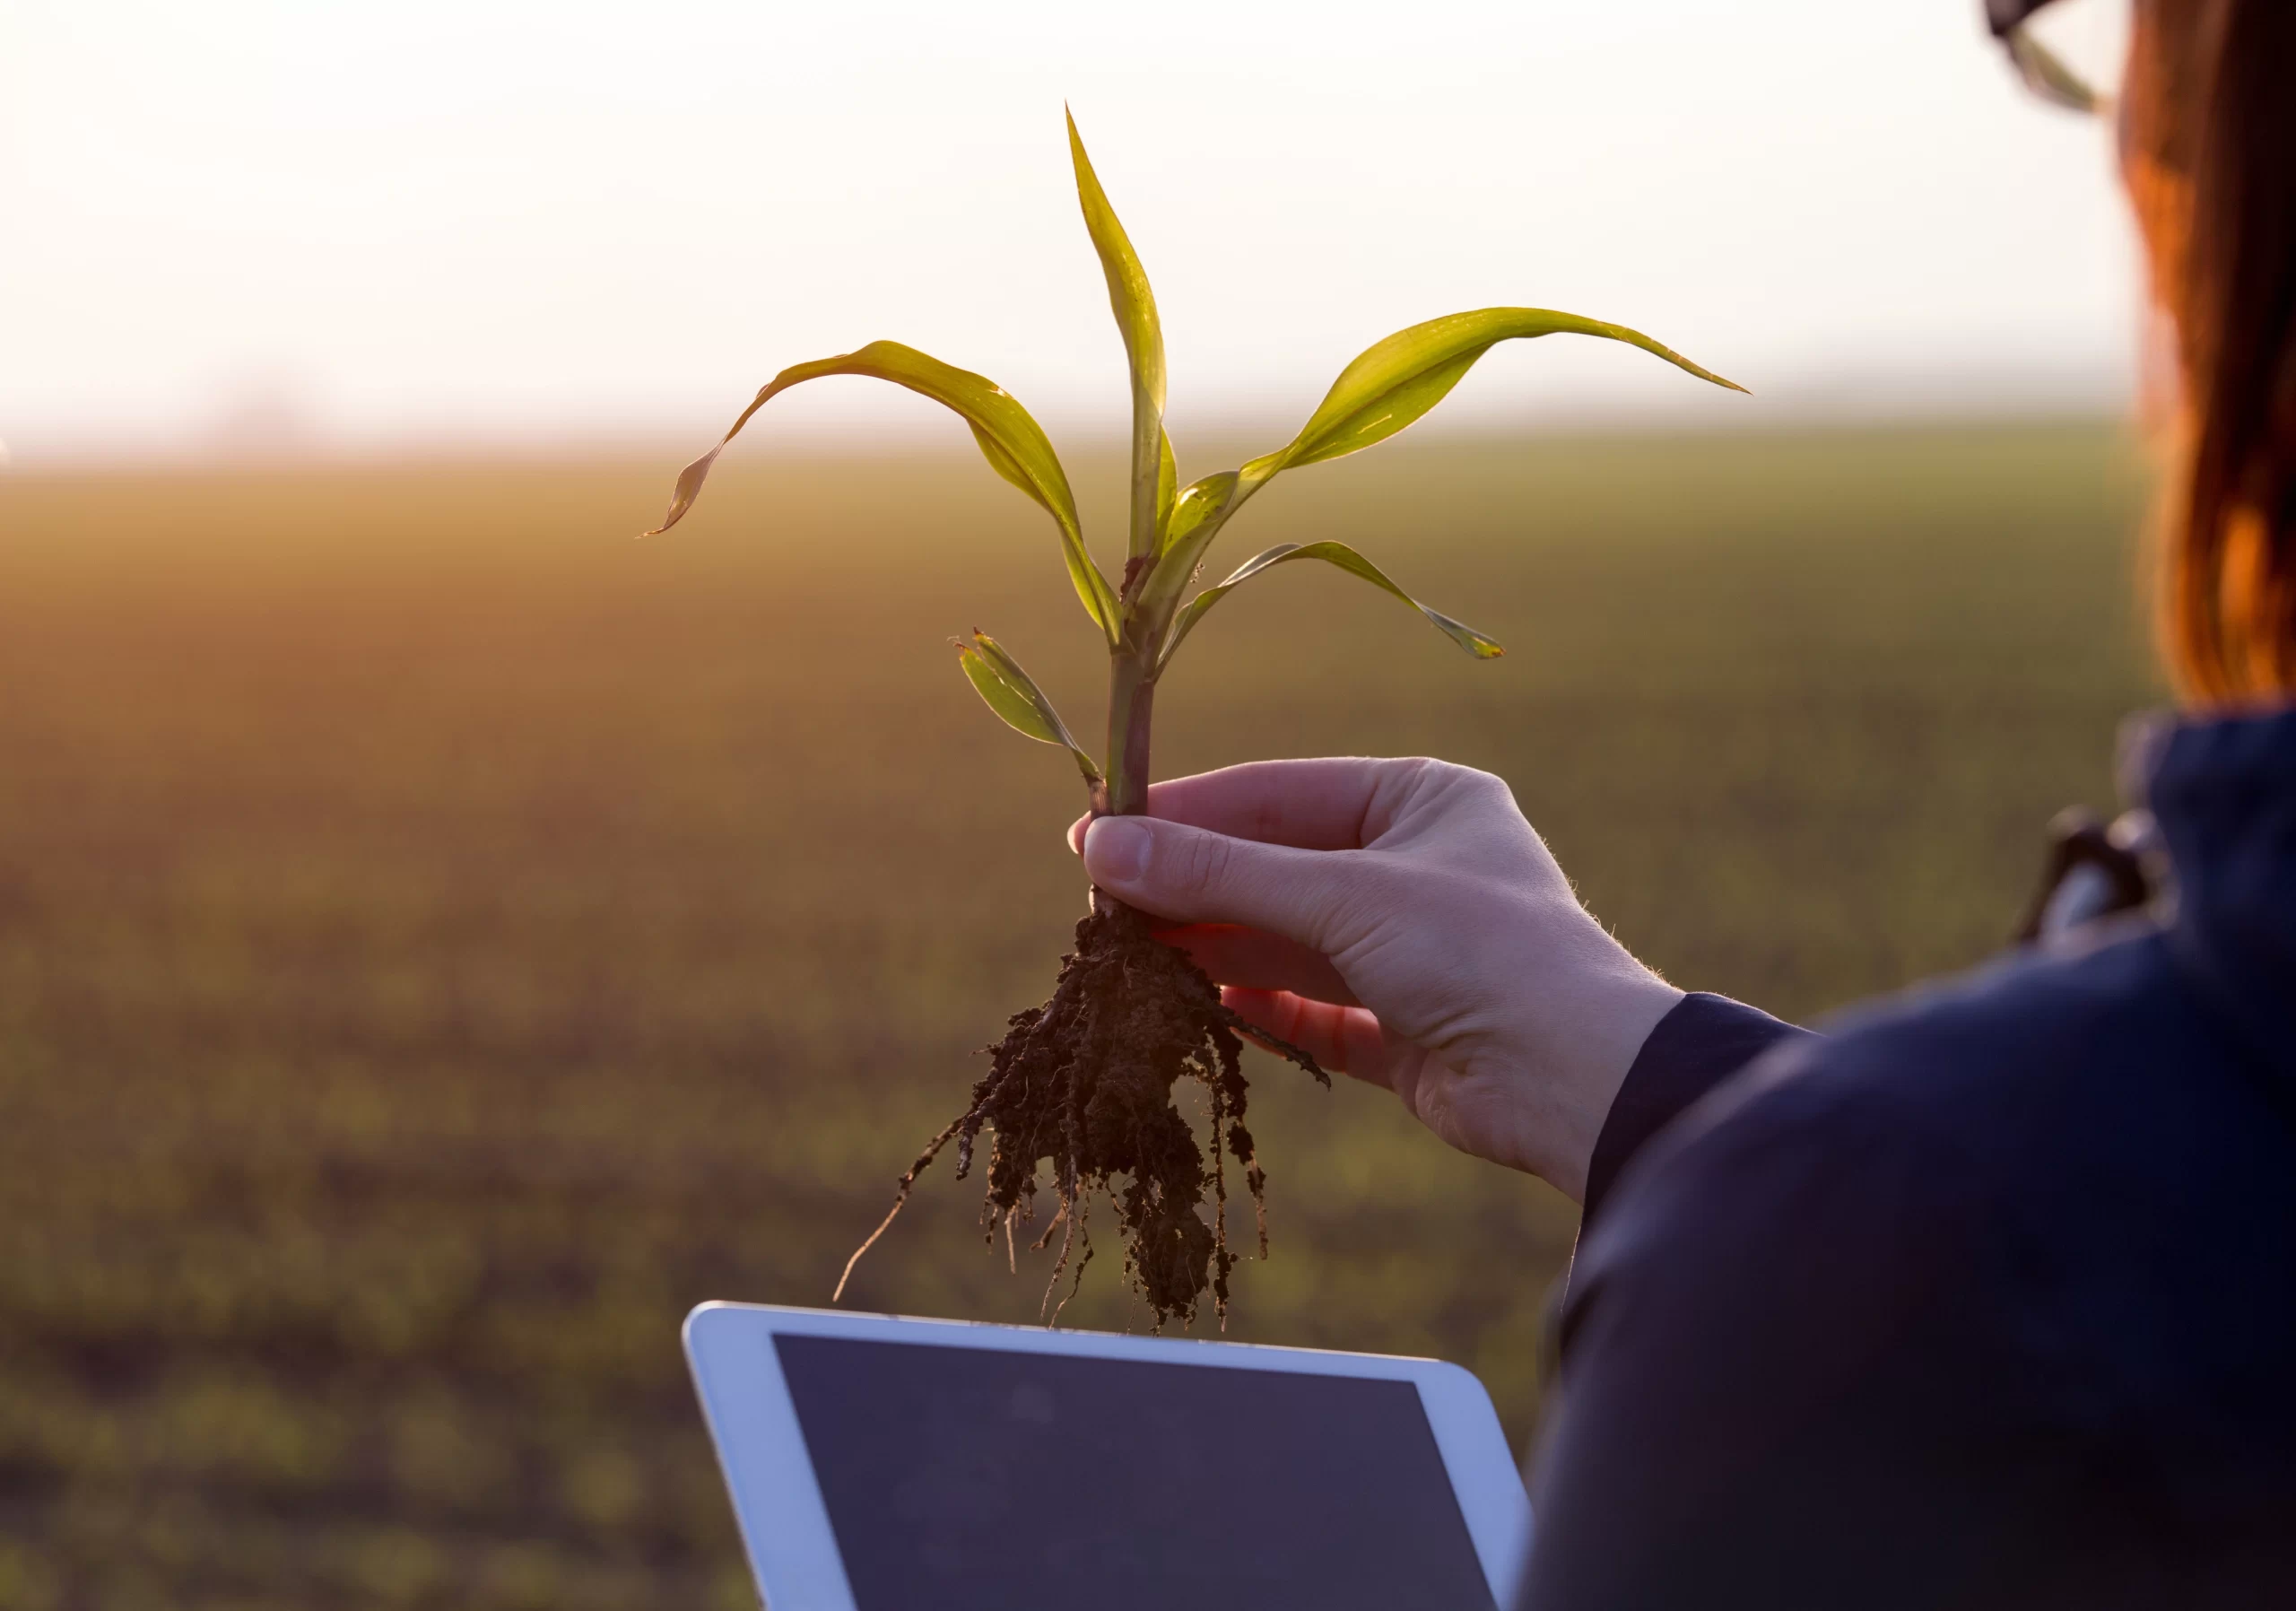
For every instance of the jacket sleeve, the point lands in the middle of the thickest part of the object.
(1695, 1048)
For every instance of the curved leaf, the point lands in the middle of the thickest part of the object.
(1013, 442)
(1332, 554)
(1196, 515)
(1015, 696)
(1392, 383)
(1135, 306)
(1202, 502)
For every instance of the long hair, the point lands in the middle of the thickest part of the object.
(2217, 190)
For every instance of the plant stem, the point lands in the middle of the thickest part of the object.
(1132, 700)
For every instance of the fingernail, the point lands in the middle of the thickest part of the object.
(1116, 850)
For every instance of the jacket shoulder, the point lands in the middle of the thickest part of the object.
(2106, 1000)
(2002, 1132)
(1961, 1071)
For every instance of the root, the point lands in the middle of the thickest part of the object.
(1078, 1280)
(1084, 1083)
(901, 1196)
(1044, 1241)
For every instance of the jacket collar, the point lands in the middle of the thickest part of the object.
(2223, 792)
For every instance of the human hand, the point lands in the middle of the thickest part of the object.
(1401, 921)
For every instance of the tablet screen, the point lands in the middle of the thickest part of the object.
(975, 1477)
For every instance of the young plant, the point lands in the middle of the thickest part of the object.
(1084, 1083)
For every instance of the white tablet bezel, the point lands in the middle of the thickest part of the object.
(785, 1524)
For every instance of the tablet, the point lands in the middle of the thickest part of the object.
(878, 1463)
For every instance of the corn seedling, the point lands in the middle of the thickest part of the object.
(1084, 1082)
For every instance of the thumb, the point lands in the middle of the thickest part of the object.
(1195, 875)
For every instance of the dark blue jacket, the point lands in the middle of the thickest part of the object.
(1985, 1299)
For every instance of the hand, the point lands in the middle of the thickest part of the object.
(1400, 920)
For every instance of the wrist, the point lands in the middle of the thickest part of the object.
(1571, 1070)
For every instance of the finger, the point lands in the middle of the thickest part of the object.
(1345, 1039)
(1233, 955)
(1335, 804)
(1189, 876)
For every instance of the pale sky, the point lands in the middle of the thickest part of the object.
(430, 221)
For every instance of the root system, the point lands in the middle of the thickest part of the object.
(1084, 1083)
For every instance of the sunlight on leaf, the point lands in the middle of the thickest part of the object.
(1202, 501)
(1197, 514)
(1394, 382)
(1012, 441)
(1015, 696)
(1332, 554)
(1168, 484)
(1389, 386)
(1135, 306)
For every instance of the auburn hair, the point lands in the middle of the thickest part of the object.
(2210, 155)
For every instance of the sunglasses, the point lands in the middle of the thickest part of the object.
(2068, 52)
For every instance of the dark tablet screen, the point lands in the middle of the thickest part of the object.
(974, 1477)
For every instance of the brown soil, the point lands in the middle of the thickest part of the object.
(1084, 1083)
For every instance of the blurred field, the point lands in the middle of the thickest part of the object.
(441, 939)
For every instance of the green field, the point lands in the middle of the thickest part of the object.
(441, 939)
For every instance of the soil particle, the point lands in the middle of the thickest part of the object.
(1084, 1083)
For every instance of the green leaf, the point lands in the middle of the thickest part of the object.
(1015, 696)
(1196, 515)
(1168, 483)
(1013, 442)
(1332, 554)
(1391, 384)
(1135, 306)
(1201, 502)
(1394, 382)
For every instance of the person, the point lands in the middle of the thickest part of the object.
(1987, 1295)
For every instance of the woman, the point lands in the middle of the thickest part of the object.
(1988, 1296)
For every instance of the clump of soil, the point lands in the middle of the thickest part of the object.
(1085, 1083)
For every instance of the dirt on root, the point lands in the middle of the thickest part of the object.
(1085, 1083)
